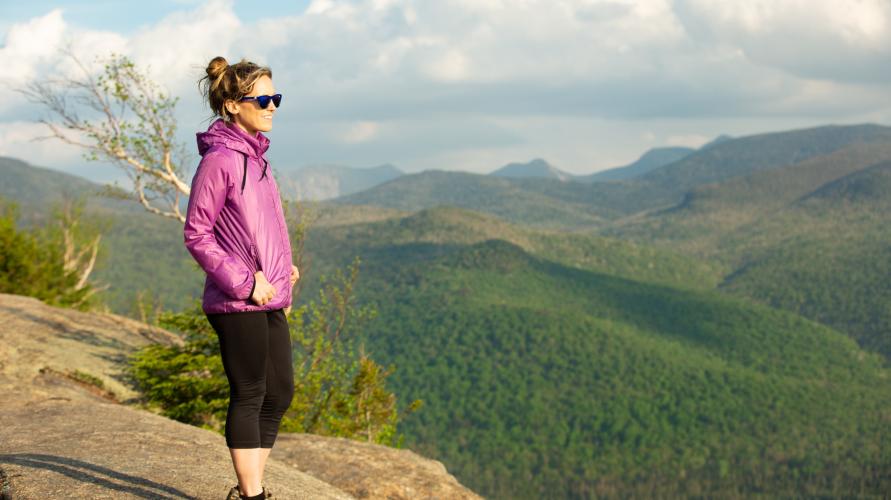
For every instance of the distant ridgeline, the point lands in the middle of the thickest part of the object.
(322, 182)
(709, 322)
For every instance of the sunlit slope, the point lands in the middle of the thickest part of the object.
(745, 155)
(835, 261)
(707, 214)
(442, 230)
(812, 238)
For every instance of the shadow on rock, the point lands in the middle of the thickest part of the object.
(95, 474)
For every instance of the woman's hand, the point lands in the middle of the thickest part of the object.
(295, 274)
(263, 290)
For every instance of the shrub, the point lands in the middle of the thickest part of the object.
(337, 391)
(34, 262)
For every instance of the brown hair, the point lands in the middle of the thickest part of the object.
(224, 82)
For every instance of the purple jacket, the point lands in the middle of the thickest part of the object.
(234, 224)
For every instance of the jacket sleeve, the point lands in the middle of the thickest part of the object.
(209, 187)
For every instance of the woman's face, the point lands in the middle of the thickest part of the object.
(248, 115)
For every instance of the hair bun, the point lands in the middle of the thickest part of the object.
(217, 67)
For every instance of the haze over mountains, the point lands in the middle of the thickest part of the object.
(714, 325)
(323, 182)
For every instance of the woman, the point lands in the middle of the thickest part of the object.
(235, 228)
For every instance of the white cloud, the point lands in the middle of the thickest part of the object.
(391, 80)
(450, 66)
(32, 49)
(647, 58)
(825, 39)
(360, 132)
(29, 45)
(178, 48)
(17, 139)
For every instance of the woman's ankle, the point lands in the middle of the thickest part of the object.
(258, 496)
(242, 493)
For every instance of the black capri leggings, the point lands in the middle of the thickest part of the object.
(256, 351)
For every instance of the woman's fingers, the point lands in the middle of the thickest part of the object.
(270, 293)
(265, 291)
(295, 274)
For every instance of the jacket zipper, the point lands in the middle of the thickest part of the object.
(282, 230)
(255, 250)
(244, 176)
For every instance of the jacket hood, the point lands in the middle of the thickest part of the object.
(233, 137)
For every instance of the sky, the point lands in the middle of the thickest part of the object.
(472, 84)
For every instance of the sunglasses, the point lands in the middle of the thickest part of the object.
(263, 100)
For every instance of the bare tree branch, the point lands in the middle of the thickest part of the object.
(130, 124)
(79, 261)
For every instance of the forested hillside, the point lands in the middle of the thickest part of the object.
(140, 254)
(544, 380)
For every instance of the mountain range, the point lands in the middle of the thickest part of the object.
(712, 326)
(327, 181)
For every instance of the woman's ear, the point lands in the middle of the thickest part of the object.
(231, 106)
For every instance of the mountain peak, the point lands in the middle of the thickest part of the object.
(717, 140)
(537, 167)
(654, 158)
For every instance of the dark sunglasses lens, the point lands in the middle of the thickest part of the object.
(277, 100)
(263, 101)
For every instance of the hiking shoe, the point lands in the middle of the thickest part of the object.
(233, 494)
